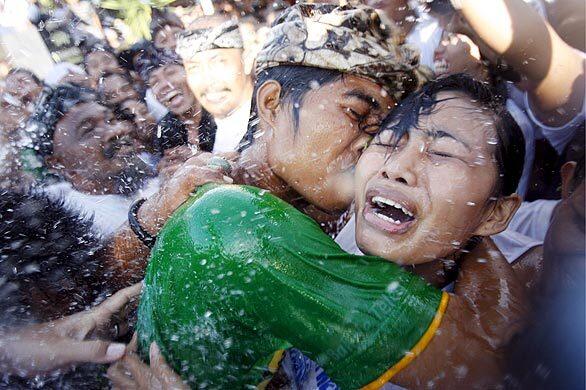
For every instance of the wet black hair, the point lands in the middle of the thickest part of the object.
(510, 148)
(50, 259)
(171, 132)
(51, 106)
(296, 81)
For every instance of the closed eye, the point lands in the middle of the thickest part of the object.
(441, 154)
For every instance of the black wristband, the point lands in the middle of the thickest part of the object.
(144, 236)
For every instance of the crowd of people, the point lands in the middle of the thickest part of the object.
(436, 141)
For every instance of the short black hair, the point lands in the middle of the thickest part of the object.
(510, 149)
(295, 81)
(51, 259)
(51, 106)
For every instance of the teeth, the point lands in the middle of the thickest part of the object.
(380, 199)
(388, 219)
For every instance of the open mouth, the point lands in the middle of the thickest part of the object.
(389, 213)
(216, 96)
(441, 66)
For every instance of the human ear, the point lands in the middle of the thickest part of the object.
(267, 101)
(567, 173)
(497, 217)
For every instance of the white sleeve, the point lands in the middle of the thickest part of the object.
(560, 136)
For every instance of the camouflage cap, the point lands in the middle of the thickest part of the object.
(350, 39)
(223, 36)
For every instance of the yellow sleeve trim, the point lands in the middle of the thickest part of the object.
(274, 363)
(416, 350)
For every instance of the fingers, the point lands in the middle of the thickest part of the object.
(94, 351)
(141, 372)
(165, 374)
(133, 345)
(120, 377)
(117, 301)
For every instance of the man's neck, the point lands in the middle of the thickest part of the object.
(254, 169)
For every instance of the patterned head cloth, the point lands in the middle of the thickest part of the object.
(223, 36)
(350, 39)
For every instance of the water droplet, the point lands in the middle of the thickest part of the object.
(470, 204)
(215, 211)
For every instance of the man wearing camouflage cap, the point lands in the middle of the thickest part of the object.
(311, 116)
(212, 56)
(325, 79)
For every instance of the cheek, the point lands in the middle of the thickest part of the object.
(367, 167)
(460, 203)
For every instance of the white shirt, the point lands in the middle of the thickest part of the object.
(231, 129)
(425, 36)
(526, 230)
(109, 212)
(560, 136)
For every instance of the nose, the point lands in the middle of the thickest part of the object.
(401, 166)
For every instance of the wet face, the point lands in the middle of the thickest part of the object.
(336, 121)
(96, 152)
(116, 88)
(166, 37)
(425, 199)
(101, 62)
(218, 80)
(169, 86)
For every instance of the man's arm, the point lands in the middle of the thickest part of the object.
(553, 69)
(127, 255)
(487, 308)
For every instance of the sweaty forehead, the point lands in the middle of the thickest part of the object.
(350, 86)
(457, 114)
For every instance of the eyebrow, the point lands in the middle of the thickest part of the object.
(364, 97)
(436, 133)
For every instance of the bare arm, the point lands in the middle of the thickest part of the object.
(554, 70)
(487, 308)
(127, 254)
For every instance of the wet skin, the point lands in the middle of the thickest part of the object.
(424, 199)
(94, 151)
(315, 161)
(166, 37)
(144, 121)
